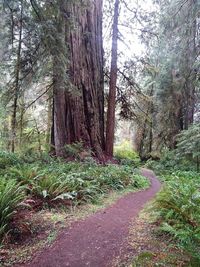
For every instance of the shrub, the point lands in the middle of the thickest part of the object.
(78, 181)
(188, 145)
(77, 151)
(8, 159)
(11, 194)
(84, 182)
(126, 155)
(48, 186)
(178, 210)
(170, 162)
(23, 173)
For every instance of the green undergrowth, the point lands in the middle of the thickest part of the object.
(54, 183)
(125, 154)
(177, 210)
(170, 162)
(47, 223)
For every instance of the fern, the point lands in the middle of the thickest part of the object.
(178, 210)
(11, 194)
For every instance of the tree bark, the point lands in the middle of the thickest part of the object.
(16, 86)
(49, 119)
(110, 125)
(79, 101)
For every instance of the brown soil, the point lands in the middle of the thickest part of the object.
(97, 240)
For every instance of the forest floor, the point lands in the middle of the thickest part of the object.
(98, 240)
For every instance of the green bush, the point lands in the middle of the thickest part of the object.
(77, 151)
(178, 210)
(188, 145)
(56, 180)
(170, 162)
(11, 194)
(8, 159)
(48, 187)
(126, 155)
(23, 173)
(78, 181)
(84, 182)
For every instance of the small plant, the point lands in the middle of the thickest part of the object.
(24, 173)
(77, 151)
(49, 187)
(11, 194)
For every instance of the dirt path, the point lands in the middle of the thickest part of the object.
(95, 241)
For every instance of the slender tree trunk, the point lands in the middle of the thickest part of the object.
(38, 138)
(151, 125)
(110, 125)
(16, 86)
(79, 102)
(21, 126)
(49, 120)
(190, 57)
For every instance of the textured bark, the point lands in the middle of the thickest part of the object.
(187, 64)
(16, 84)
(49, 119)
(79, 103)
(110, 125)
(59, 84)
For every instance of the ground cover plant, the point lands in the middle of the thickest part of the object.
(11, 194)
(125, 154)
(177, 210)
(55, 182)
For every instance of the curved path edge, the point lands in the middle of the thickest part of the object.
(97, 240)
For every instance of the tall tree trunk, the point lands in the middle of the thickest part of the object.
(49, 119)
(79, 102)
(189, 60)
(21, 122)
(110, 125)
(16, 85)
(59, 84)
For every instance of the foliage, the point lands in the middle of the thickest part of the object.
(48, 186)
(189, 143)
(169, 162)
(177, 209)
(55, 181)
(125, 154)
(8, 159)
(84, 182)
(11, 194)
(76, 151)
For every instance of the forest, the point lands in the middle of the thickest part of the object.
(99, 133)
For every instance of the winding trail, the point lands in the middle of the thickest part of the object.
(97, 240)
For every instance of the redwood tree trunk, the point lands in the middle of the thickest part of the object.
(110, 125)
(79, 102)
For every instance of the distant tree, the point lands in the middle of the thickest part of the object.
(188, 144)
(110, 125)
